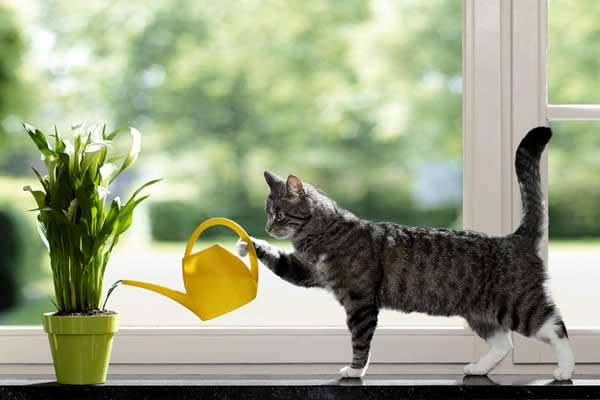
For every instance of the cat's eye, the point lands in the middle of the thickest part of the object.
(279, 216)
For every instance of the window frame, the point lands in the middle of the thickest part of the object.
(504, 95)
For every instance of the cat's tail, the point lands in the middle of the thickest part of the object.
(527, 163)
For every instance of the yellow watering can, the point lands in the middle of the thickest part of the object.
(216, 281)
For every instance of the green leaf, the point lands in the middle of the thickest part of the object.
(38, 195)
(42, 181)
(112, 160)
(42, 230)
(113, 287)
(53, 302)
(145, 185)
(39, 139)
(113, 134)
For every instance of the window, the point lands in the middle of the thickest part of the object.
(572, 154)
(573, 159)
(221, 92)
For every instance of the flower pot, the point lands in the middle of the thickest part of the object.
(80, 346)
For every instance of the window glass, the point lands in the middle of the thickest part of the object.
(573, 49)
(574, 220)
(361, 98)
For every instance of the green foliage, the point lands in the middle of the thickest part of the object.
(74, 223)
(14, 97)
(304, 88)
(12, 256)
(355, 96)
(574, 195)
(20, 255)
(573, 48)
(174, 220)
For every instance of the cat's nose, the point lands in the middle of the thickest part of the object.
(268, 227)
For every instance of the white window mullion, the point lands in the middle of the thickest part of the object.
(486, 115)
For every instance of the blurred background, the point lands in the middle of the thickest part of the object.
(362, 98)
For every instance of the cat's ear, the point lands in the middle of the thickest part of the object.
(273, 180)
(294, 186)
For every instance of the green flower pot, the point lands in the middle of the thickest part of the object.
(80, 346)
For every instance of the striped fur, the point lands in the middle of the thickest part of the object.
(495, 283)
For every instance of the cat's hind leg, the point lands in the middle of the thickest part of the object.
(554, 332)
(543, 322)
(500, 344)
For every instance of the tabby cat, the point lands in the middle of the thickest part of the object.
(496, 283)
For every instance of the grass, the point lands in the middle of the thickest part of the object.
(586, 244)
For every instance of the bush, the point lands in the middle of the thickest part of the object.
(574, 213)
(174, 220)
(20, 251)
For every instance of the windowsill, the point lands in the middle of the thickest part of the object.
(321, 386)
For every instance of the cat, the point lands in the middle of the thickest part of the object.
(496, 283)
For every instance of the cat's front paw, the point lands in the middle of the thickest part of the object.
(349, 372)
(475, 369)
(242, 248)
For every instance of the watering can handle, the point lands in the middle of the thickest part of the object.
(238, 229)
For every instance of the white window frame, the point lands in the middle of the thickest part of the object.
(504, 86)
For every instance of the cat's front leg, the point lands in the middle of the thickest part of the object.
(286, 265)
(362, 321)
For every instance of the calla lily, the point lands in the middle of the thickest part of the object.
(102, 192)
(70, 212)
(38, 195)
(136, 147)
(70, 150)
(51, 162)
(106, 172)
(134, 151)
(78, 137)
(97, 142)
(91, 154)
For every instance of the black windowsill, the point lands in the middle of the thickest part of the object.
(305, 387)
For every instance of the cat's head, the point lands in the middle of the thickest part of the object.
(289, 205)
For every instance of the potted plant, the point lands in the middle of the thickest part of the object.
(80, 232)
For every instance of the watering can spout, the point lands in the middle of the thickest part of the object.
(180, 297)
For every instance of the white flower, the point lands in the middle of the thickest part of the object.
(70, 213)
(136, 147)
(51, 162)
(106, 172)
(134, 151)
(91, 153)
(76, 125)
(97, 142)
(70, 150)
(102, 192)
(38, 195)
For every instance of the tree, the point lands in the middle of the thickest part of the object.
(13, 96)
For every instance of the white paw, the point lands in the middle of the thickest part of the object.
(475, 369)
(562, 374)
(349, 372)
(242, 248)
